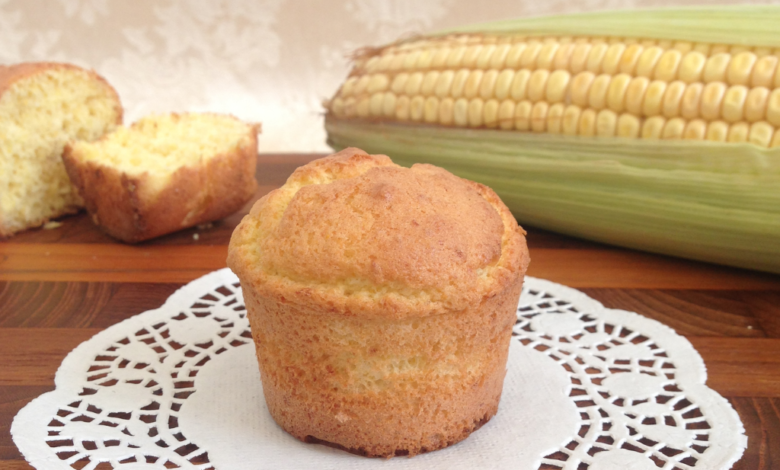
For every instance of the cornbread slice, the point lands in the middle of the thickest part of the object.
(381, 301)
(42, 107)
(165, 173)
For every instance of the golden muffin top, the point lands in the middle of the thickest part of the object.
(356, 234)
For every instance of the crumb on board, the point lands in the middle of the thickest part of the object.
(51, 225)
(195, 236)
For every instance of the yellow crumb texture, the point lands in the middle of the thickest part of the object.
(161, 144)
(42, 108)
(165, 173)
(381, 301)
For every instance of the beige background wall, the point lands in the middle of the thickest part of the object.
(266, 60)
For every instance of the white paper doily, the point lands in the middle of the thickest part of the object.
(178, 387)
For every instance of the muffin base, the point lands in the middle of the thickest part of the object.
(314, 367)
(378, 437)
(399, 452)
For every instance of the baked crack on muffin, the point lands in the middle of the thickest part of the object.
(381, 301)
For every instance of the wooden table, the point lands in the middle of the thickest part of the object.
(59, 287)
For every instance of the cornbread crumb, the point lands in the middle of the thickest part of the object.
(165, 173)
(52, 225)
(42, 107)
(381, 301)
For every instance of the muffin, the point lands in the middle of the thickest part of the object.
(381, 301)
(44, 105)
(165, 173)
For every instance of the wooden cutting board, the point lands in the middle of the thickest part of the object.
(59, 287)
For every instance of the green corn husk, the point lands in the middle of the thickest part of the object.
(754, 25)
(708, 201)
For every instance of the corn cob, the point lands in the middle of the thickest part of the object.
(586, 86)
(658, 133)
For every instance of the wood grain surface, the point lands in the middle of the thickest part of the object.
(59, 287)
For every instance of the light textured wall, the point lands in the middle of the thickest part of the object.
(272, 61)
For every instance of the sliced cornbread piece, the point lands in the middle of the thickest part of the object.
(165, 173)
(42, 107)
(381, 301)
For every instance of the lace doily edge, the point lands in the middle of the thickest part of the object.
(25, 425)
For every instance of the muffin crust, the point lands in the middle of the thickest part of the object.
(351, 229)
(381, 301)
